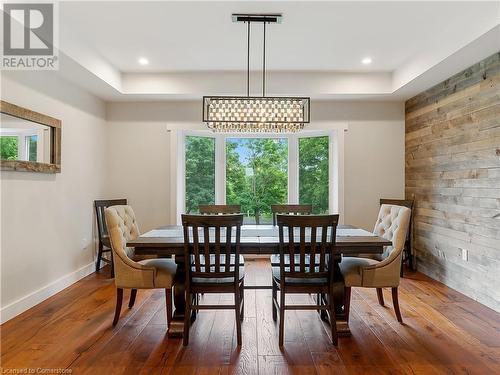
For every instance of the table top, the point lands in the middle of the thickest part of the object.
(256, 239)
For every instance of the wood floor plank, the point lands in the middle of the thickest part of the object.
(267, 329)
(444, 332)
(244, 360)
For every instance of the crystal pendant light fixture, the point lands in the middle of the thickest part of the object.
(256, 114)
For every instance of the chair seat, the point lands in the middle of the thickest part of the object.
(296, 281)
(352, 269)
(217, 280)
(275, 259)
(165, 271)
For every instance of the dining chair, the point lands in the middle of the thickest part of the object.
(407, 251)
(392, 224)
(310, 274)
(145, 274)
(295, 209)
(104, 246)
(216, 209)
(212, 250)
(289, 209)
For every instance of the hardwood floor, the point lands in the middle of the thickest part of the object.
(444, 333)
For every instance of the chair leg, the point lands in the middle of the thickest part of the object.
(318, 301)
(168, 304)
(237, 302)
(112, 264)
(133, 294)
(242, 299)
(395, 302)
(402, 264)
(187, 319)
(282, 318)
(347, 302)
(275, 298)
(380, 296)
(119, 298)
(410, 259)
(196, 298)
(99, 258)
(333, 318)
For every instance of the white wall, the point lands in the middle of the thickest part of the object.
(374, 160)
(47, 220)
(140, 166)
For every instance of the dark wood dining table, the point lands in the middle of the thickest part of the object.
(255, 240)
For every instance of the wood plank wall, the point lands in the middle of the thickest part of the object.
(453, 173)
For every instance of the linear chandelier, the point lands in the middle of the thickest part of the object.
(256, 114)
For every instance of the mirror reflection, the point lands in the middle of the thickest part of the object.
(22, 139)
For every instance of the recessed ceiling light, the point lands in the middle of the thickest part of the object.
(143, 61)
(367, 60)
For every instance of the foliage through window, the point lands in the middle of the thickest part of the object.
(256, 172)
(313, 173)
(256, 175)
(9, 147)
(200, 172)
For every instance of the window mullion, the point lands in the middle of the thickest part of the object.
(293, 170)
(220, 169)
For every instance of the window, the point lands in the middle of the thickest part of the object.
(9, 147)
(256, 176)
(313, 173)
(256, 171)
(200, 172)
(31, 147)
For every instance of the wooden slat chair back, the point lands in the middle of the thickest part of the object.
(407, 252)
(290, 209)
(312, 252)
(309, 244)
(102, 231)
(208, 239)
(212, 251)
(217, 209)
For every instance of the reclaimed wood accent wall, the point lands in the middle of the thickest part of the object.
(453, 173)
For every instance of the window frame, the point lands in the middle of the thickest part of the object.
(27, 145)
(335, 164)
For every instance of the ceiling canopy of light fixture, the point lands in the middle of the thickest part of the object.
(256, 113)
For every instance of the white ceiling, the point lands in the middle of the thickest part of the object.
(313, 36)
(197, 39)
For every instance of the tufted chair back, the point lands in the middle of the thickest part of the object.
(122, 227)
(392, 224)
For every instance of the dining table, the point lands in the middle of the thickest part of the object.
(168, 241)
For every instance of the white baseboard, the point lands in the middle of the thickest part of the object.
(24, 303)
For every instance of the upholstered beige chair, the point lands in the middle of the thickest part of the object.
(392, 224)
(129, 274)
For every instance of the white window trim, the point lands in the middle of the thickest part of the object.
(336, 164)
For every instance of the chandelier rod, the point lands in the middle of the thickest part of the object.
(248, 59)
(264, 63)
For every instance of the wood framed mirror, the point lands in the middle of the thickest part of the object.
(29, 141)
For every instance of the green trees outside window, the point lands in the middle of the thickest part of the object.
(256, 175)
(313, 173)
(8, 147)
(200, 172)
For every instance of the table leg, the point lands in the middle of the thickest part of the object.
(177, 325)
(338, 298)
